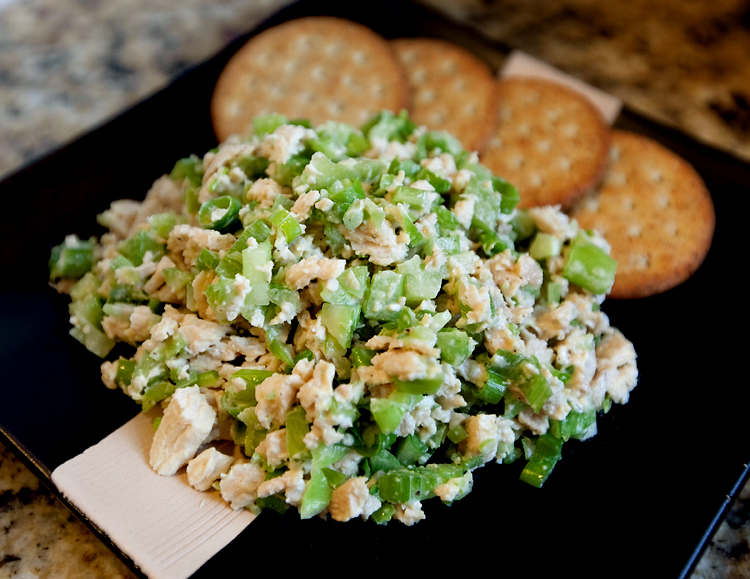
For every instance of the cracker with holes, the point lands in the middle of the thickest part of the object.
(655, 210)
(550, 142)
(451, 89)
(317, 68)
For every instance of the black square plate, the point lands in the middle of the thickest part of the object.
(643, 495)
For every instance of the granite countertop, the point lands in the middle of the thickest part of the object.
(69, 65)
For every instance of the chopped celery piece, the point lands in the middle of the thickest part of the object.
(335, 478)
(140, 246)
(440, 184)
(124, 374)
(208, 379)
(274, 502)
(428, 385)
(256, 268)
(175, 278)
(410, 483)
(525, 373)
(88, 315)
(252, 166)
(287, 172)
(552, 292)
(455, 346)
(169, 348)
(265, 124)
(340, 321)
(352, 285)
(85, 286)
(417, 199)
(441, 141)
(236, 399)
(321, 172)
(385, 290)
(492, 243)
(190, 168)
(317, 495)
(523, 225)
(589, 266)
(411, 451)
(163, 223)
(419, 285)
(544, 245)
(510, 194)
(71, 259)
(338, 140)
(318, 492)
(384, 461)
(254, 433)
(362, 357)
(487, 204)
(297, 428)
(389, 126)
(344, 199)
(388, 412)
(231, 264)
(457, 433)
(383, 514)
(155, 393)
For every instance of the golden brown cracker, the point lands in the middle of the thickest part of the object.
(451, 89)
(655, 211)
(318, 68)
(550, 142)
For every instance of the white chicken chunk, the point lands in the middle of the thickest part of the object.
(206, 468)
(187, 423)
(239, 487)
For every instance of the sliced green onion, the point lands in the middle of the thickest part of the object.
(219, 213)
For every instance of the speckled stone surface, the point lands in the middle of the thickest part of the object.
(40, 538)
(69, 65)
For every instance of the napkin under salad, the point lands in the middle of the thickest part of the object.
(347, 320)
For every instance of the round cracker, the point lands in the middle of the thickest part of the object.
(551, 142)
(317, 68)
(451, 89)
(655, 211)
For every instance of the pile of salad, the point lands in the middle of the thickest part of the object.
(347, 320)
